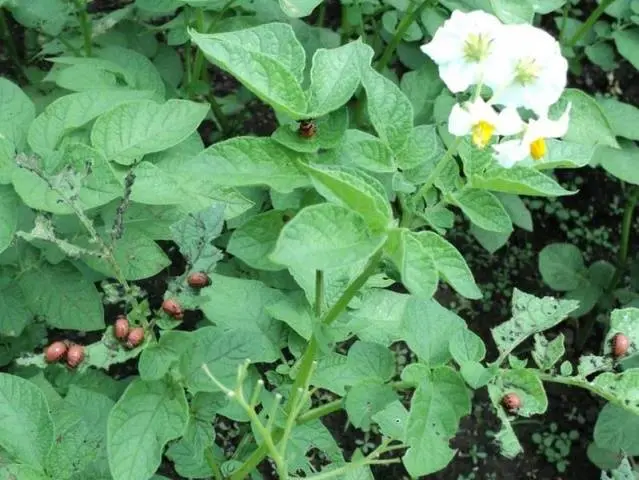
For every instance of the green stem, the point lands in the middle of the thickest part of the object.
(210, 459)
(321, 411)
(198, 63)
(439, 168)
(322, 14)
(220, 118)
(353, 288)
(592, 19)
(626, 227)
(85, 25)
(319, 292)
(308, 358)
(406, 21)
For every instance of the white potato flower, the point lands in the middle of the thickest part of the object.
(482, 122)
(533, 142)
(462, 46)
(527, 69)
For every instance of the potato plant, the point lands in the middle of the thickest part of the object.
(291, 266)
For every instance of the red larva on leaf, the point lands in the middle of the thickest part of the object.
(511, 402)
(135, 337)
(620, 345)
(55, 352)
(171, 307)
(121, 327)
(307, 128)
(198, 280)
(75, 355)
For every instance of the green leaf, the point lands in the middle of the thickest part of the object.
(137, 256)
(17, 314)
(16, 114)
(144, 420)
(194, 235)
(363, 150)
(562, 266)
(335, 76)
(222, 352)
(298, 8)
(294, 310)
(491, 241)
(562, 154)
(9, 203)
(422, 88)
(390, 111)
(517, 211)
(50, 16)
(450, 264)
(80, 432)
(325, 236)
(476, 375)
(392, 420)
(244, 161)
(365, 399)
(329, 132)
(71, 112)
(239, 305)
(626, 42)
(370, 361)
(415, 264)
(619, 162)
(87, 178)
(588, 124)
(132, 130)
(465, 346)
(255, 239)
(520, 181)
(513, 11)
(63, 297)
(530, 315)
(427, 328)
(379, 317)
(21, 471)
(622, 387)
(526, 385)
(483, 209)
(436, 408)
(26, 430)
(617, 430)
(157, 358)
(353, 189)
(547, 353)
(267, 59)
(422, 149)
(621, 117)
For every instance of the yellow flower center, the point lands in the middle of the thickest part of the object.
(477, 47)
(527, 71)
(481, 133)
(538, 148)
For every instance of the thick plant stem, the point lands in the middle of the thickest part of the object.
(308, 359)
(590, 21)
(210, 459)
(85, 25)
(412, 13)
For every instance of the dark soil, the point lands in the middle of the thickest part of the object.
(594, 208)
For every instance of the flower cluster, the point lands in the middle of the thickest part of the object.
(523, 67)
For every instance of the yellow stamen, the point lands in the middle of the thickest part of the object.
(538, 148)
(481, 133)
(527, 71)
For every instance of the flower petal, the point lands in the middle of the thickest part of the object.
(460, 122)
(509, 122)
(510, 152)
